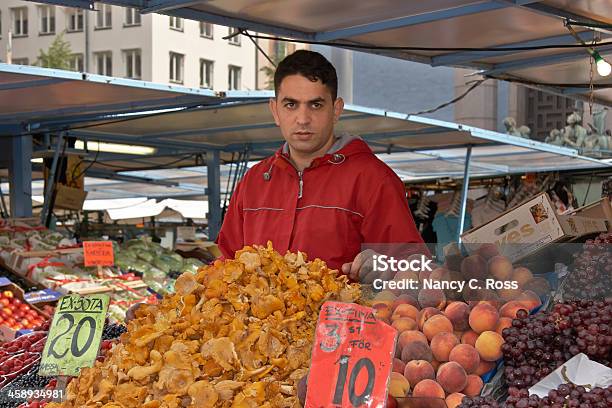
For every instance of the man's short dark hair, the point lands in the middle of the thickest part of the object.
(311, 65)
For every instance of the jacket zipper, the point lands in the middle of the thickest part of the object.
(300, 177)
(301, 184)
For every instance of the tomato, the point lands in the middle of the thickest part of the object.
(8, 294)
(17, 301)
(8, 312)
(10, 321)
(12, 307)
(5, 302)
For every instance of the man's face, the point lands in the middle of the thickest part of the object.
(305, 112)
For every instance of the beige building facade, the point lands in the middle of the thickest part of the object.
(119, 42)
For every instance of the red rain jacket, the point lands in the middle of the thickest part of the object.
(343, 200)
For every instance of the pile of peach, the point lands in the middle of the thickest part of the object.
(445, 345)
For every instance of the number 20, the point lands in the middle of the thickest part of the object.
(356, 400)
(74, 347)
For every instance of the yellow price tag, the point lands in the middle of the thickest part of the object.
(75, 334)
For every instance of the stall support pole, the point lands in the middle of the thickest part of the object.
(464, 193)
(20, 176)
(47, 208)
(214, 193)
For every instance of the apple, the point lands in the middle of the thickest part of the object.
(12, 307)
(8, 294)
(25, 322)
(8, 312)
(17, 301)
(5, 302)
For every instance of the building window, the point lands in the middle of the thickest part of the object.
(176, 67)
(235, 40)
(132, 17)
(133, 64)
(104, 63)
(75, 20)
(176, 23)
(20, 61)
(76, 63)
(47, 19)
(206, 30)
(20, 21)
(104, 18)
(206, 74)
(234, 77)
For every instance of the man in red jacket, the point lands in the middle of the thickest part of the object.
(322, 194)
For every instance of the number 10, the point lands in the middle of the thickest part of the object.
(356, 400)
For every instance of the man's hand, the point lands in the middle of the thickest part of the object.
(362, 268)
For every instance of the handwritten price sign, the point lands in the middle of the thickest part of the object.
(98, 253)
(351, 359)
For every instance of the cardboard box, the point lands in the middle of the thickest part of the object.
(6, 333)
(531, 226)
(599, 209)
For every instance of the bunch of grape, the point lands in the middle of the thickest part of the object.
(536, 345)
(10, 395)
(113, 331)
(566, 395)
(479, 402)
(591, 277)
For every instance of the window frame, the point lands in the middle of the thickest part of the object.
(46, 13)
(211, 36)
(203, 72)
(75, 66)
(180, 27)
(14, 22)
(177, 68)
(74, 14)
(235, 40)
(106, 11)
(107, 58)
(135, 54)
(230, 77)
(131, 12)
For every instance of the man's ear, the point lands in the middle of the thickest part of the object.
(273, 109)
(338, 108)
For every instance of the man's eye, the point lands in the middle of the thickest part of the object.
(290, 105)
(316, 105)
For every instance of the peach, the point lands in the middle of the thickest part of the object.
(466, 356)
(398, 365)
(385, 297)
(435, 364)
(452, 377)
(458, 313)
(530, 299)
(440, 274)
(403, 323)
(442, 344)
(424, 274)
(474, 267)
(391, 402)
(437, 324)
(405, 310)
(410, 336)
(483, 317)
(509, 294)
(426, 314)
(432, 298)
(521, 276)
(416, 351)
(504, 323)
(476, 291)
(474, 386)
(538, 285)
(469, 337)
(398, 385)
(484, 367)
(454, 399)
(488, 251)
(404, 299)
(382, 312)
(500, 268)
(429, 389)
(511, 308)
(489, 345)
(404, 275)
(418, 370)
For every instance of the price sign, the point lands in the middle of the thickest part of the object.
(351, 359)
(74, 337)
(98, 253)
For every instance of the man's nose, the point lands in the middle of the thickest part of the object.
(303, 116)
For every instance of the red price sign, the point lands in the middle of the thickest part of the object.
(98, 253)
(351, 358)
